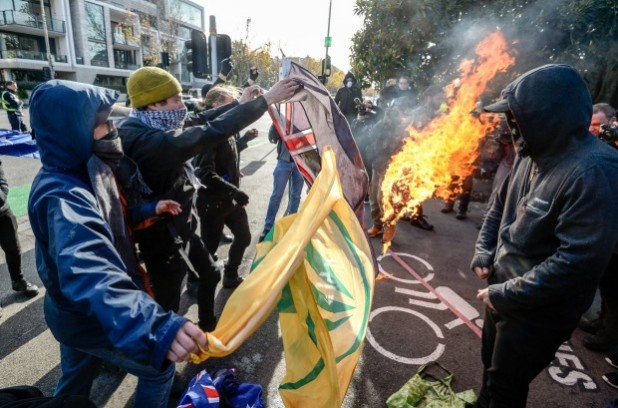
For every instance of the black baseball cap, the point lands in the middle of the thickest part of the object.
(498, 107)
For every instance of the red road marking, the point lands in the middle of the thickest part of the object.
(430, 288)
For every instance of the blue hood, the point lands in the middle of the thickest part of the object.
(63, 115)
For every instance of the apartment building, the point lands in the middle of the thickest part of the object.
(99, 42)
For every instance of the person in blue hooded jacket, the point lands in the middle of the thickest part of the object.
(93, 308)
(549, 233)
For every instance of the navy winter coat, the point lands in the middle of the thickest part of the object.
(90, 299)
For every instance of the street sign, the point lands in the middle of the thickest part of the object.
(327, 41)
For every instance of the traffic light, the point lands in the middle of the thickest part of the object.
(224, 46)
(165, 59)
(47, 74)
(197, 54)
(326, 66)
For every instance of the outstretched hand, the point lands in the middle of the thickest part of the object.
(282, 90)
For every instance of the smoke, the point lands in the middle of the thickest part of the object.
(531, 28)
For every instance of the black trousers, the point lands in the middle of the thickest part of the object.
(17, 123)
(9, 242)
(213, 217)
(513, 354)
(168, 269)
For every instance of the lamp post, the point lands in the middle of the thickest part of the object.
(327, 43)
(49, 56)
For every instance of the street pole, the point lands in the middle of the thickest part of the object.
(49, 56)
(327, 41)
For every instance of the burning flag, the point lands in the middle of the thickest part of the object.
(444, 151)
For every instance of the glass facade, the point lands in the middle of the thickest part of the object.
(186, 13)
(27, 47)
(95, 28)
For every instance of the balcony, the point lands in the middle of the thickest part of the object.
(31, 55)
(122, 42)
(122, 65)
(25, 23)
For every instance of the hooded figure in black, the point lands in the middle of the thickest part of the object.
(345, 97)
(549, 233)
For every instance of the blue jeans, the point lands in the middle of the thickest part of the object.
(284, 171)
(80, 368)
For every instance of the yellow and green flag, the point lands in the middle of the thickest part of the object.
(316, 266)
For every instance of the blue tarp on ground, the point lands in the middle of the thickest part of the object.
(13, 143)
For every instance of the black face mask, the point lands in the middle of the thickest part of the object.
(521, 147)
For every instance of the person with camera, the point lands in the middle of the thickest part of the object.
(602, 123)
(253, 76)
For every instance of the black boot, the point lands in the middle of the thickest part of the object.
(231, 279)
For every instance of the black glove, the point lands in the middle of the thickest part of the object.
(253, 73)
(226, 66)
(241, 198)
(250, 135)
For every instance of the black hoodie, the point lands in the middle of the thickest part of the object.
(345, 97)
(550, 232)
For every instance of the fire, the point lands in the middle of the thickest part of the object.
(446, 146)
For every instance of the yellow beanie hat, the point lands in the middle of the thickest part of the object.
(150, 85)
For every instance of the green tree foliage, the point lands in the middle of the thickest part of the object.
(426, 39)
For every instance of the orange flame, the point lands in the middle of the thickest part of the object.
(448, 145)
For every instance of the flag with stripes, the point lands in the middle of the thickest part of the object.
(308, 123)
(316, 267)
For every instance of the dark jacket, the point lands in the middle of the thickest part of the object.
(344, 98)
(4, 192)
(552, 228)
(218, 169)
(162, 158)
(90, 300)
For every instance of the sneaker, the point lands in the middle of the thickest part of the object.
(231, 282)
(389, 233)
(374, 232)
(461, 216)
(611, 379)
(25, 288)
(421, 222)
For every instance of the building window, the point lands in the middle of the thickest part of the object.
(125, 59)
(111, 82)
(186, 13)
(98, 54)
(95, 28)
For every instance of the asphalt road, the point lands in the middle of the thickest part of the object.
(424, 309)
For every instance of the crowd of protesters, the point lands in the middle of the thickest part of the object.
(166, 183)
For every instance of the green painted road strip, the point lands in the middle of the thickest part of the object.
(18, 199)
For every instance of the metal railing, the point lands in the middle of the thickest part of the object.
(31, 55)
(13, 17)
(122, 65)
